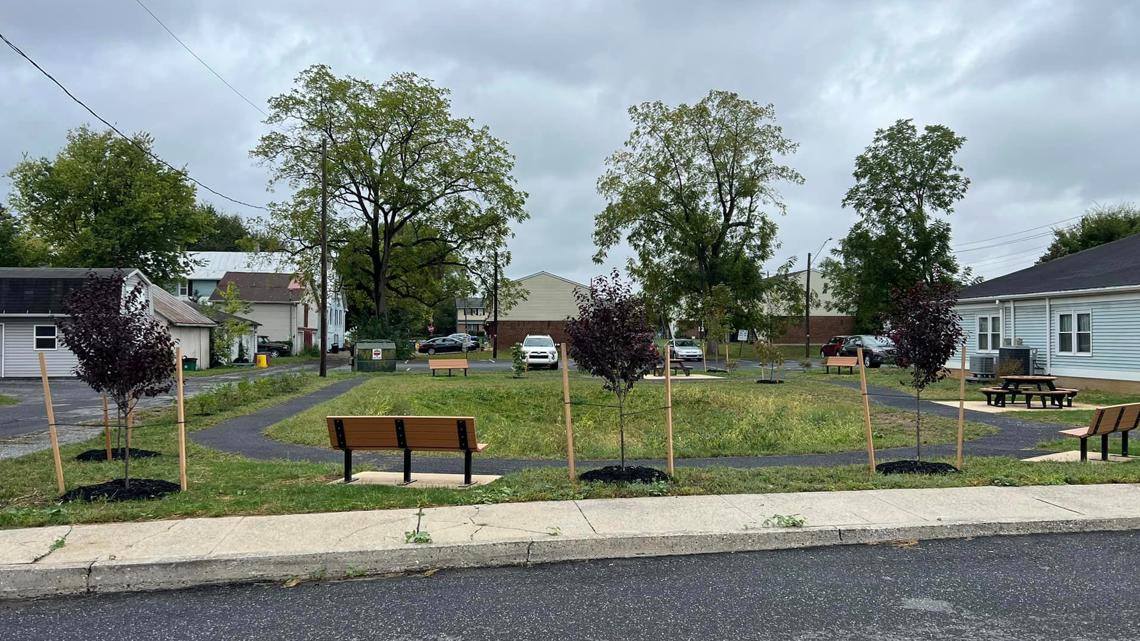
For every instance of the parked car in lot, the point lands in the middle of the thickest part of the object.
(471, 342)
(685, 349)
(876, 349)
(832, 346)
(539, 349)
(438, 345)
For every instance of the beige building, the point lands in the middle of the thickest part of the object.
(825, 321)
(546, 301)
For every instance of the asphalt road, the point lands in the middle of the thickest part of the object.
(994, 589)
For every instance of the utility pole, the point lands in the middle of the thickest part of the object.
(807, 302)
(324, 261)
(495, 312)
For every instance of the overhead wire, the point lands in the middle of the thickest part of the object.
(124, 136)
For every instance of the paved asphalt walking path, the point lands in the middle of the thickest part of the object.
(149, 555)
(996, 589)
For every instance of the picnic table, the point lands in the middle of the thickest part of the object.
(1029, 385)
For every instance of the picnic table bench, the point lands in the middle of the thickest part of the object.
(1043, 387)
(674, 365)
(1105, 421)
(407, 433)
(839, 362)
(447, 364)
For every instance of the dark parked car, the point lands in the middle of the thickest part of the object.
(441, 344)
(275, 348)
(876, 349)
(832, 346)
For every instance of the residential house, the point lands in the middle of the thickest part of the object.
(1079, 313)
(281, 305)
(243, 347)
(470, 315)
(546, 302)
(31, 304)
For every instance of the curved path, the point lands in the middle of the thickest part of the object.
(243, 435)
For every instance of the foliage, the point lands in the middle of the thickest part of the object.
(230, 329)
(518, 360)
(785, 520)
(122, 351)
(373, 328)
(612, 339)
(1101, 224)
(231, 233)
(103, 202)
(414, 191)
(926, 331)
(17, 249)
(691, 193)
(902, 180)
(771, 356)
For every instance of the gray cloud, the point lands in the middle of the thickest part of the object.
(1046, 92)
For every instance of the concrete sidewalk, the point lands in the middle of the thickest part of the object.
(176, 554)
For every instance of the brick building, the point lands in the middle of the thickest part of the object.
(547, 301)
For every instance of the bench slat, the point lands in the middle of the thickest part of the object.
(420, 432)
(448, 363)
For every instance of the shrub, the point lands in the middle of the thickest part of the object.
(518, 360)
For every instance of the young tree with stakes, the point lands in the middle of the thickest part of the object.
(122, 350)
(612, 339)
(926, 331)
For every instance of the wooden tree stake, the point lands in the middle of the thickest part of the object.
(669, 416)
(568, 414)
(866, 412)
(51, 425)
(180, 395)
(962, 406)
(107, 428)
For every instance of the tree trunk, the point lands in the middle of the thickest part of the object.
(621, 428)
(917, 426)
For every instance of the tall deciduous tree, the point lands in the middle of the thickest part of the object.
(122, 351)
(426, 189)
(103, 202)
(612, 339)
(693, 192)
(926, 330)
(230, 233)
(1101, 224)
(906, 183)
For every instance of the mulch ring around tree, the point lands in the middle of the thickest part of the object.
(116, 454)
(915, 467)
(628, 474)
(114, 491)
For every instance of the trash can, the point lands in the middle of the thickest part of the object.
(189, 364)
(374, 356)
(1013, 361)
(262, 360)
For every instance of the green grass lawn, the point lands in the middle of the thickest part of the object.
(8, 400)
(278, 361)
(523, 418)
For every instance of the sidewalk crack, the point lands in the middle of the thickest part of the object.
(1067, 509)
(55, 545)
(586, 518)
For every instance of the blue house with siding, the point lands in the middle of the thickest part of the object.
(1079, 313)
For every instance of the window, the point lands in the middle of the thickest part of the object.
(1074, 333)
(989, 333)
(45, 337)
(184, 288)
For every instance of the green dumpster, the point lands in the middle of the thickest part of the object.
(374, 356)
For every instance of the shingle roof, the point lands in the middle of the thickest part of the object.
(1115, 264)
(177, 312)
(42, 290)
(262, 287)
(218, 316)
(215, 265)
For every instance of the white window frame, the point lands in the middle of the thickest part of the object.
(184, 288)
(1074, 333)
(36, 337)
(993, 318)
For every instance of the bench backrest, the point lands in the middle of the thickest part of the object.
(455, 433)
(842, 361)
(447, 363)
(1115, 418)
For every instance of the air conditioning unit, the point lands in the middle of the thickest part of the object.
(982, 366)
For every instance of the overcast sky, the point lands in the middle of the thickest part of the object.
(1047, 94)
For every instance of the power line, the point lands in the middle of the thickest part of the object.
(200, 60)
(997, 260)
(103, 120)
(1018, 233)
(1004, 243)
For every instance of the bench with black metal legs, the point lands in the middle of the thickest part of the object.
(1105, 421)
(448, 364)
(407, 433)
(839, 362)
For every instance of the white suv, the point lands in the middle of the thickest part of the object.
(538, 350)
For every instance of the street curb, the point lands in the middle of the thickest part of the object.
(40, 580)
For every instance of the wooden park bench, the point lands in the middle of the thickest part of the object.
(839, 362)
(674, 365)
(447, 364)
(1105, 421)
(408, 433)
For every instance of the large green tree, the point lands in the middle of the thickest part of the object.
(1101, 224)
(424, 189)
(906, 184)
(693, 192)
(104, 202)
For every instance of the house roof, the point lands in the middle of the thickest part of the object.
(556, 276)
(1115, 264)
(43, 290)
(177, 312)
(257, 287)
(218, 316)
(215, 265)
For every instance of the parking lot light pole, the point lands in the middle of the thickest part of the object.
(807, 302)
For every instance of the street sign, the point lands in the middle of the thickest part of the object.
(742, 335)
(377, 354)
